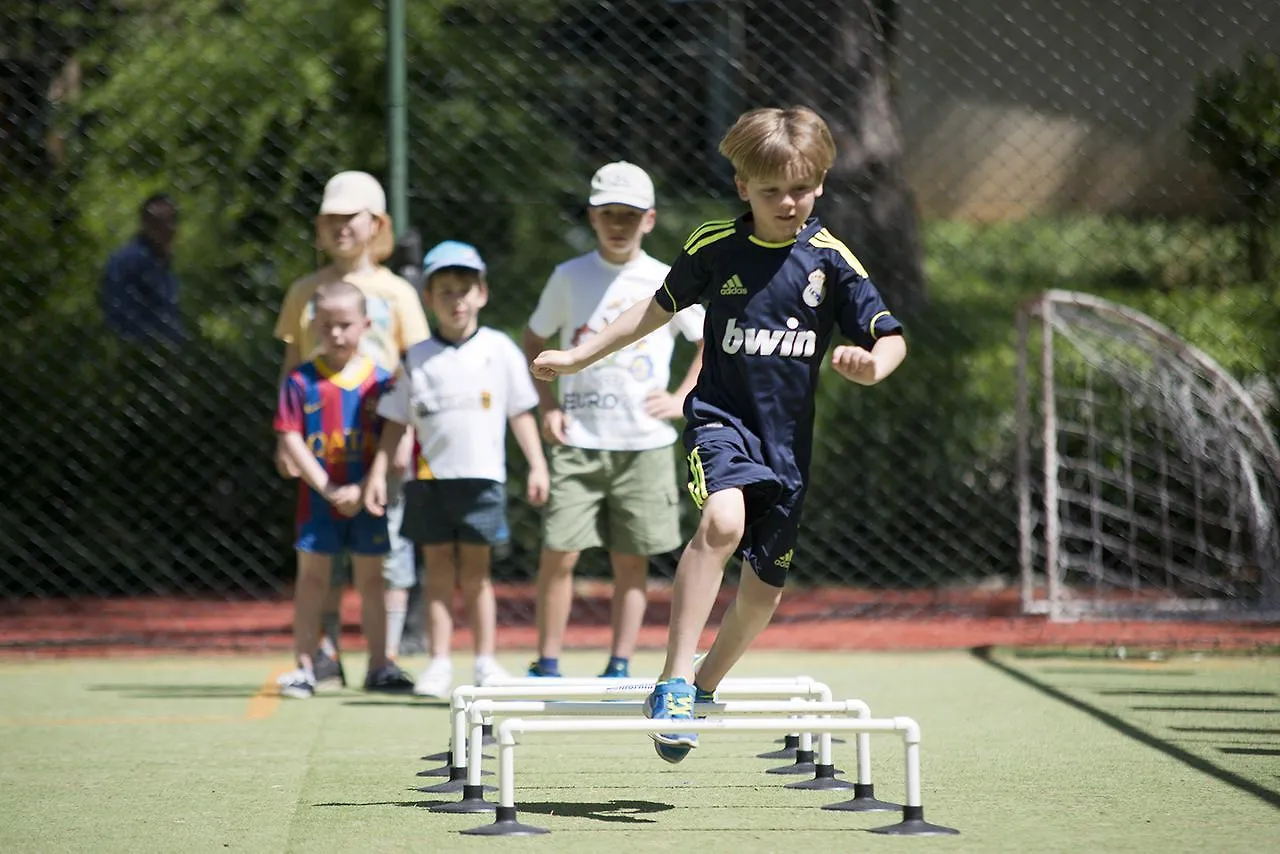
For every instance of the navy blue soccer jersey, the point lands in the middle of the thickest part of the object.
(772, 309)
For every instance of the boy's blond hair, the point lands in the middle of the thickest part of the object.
(341, 289)
(381, 247)
(772, 141)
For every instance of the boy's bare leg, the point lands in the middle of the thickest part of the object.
(477, 594)
(555, 599)
(397, 602)
(439, 578)
(367, 573)
(747, 617)
(698, 577)
(308, 600)
(630, 574)
(330, 619)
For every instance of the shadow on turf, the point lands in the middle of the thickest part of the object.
(1270, 796)
(1228, 730)
(1179, 692)
(616, 811)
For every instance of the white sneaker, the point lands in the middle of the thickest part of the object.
(436, 680)
(488, 669)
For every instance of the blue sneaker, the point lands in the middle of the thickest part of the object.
(616, 670)
(672, 700)
(536, 669)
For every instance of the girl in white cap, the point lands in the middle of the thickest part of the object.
(355, 235)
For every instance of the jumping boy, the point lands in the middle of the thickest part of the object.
(613, 476)
(776, 284)
(327, 429)
(458, 390)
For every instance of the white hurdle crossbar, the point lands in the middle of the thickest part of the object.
(506, 824)
(464, 695)
(482, 712)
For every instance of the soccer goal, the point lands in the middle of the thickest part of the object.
(1148, 477)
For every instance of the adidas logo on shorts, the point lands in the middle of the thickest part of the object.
(733, 287)
(785, 560)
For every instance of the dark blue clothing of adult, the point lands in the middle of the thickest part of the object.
(140, 296)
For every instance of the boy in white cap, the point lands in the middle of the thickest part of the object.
(613, 474)
(355, 233)
(459, 391)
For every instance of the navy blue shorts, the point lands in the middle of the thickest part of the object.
(464, 510)
(721, 458)
(361, 534)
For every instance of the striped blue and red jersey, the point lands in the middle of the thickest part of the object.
(335, 412)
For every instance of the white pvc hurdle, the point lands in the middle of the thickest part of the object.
(482, 712)
(506, 824)
(463, 695)
(791, 741)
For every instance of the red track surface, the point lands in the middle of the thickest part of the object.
(812, 619)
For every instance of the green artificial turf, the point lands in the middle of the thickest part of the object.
(1020, 753)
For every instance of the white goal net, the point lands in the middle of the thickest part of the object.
(1149, 478)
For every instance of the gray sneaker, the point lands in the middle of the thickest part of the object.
(329, 673)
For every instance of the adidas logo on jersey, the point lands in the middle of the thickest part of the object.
(733, 287)
(793, 342)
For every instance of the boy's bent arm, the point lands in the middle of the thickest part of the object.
(888, 353)
(308, 467)
(627, 328)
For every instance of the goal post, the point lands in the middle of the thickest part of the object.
(1148, 477)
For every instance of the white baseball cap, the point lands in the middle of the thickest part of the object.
(353, 192)
(621, 183)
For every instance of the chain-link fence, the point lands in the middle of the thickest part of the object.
(988, 152)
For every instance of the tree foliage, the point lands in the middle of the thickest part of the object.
(1235, 126)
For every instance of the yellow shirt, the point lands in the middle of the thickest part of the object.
(395, 311)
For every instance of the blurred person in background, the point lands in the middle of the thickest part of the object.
(139, 289)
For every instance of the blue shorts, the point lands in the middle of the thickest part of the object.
(399, 569)
(462, 510)
(361, 534)
(720, 458)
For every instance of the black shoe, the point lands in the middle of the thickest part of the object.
(389, 679)
(329, 673)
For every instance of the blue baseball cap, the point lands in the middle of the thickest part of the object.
(452, 253)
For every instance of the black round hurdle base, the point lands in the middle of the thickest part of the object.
(486, 732)
(864, 800)
(457, 782)
(786, 741)
(453, 772)
(802, 765)
(913, 824)
(789, 745)
(472, 801)
(505, 824)
(824, 778)
(445, 756)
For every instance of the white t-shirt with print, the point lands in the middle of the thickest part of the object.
(458, 397)
(604, 404)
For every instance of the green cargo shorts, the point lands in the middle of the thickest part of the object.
(623, 501)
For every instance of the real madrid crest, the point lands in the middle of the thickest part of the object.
(816, 291)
